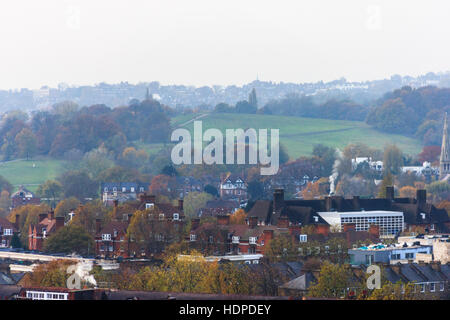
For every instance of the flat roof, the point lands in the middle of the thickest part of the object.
(363, 213)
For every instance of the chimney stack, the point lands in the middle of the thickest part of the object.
(278, 200)
(51, 215)
(421, 196)
(180, 204)
(328, 203)
(356, 203)
(390, 193)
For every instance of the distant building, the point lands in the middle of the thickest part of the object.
(233, 187)
(121, 191)
(23, 197)
(390, 254)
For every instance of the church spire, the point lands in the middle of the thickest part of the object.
(444, 166)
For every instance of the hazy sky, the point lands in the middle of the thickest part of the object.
(205, 42)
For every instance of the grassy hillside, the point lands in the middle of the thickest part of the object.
(299, 135)
(22, 172)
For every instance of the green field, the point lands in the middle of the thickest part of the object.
(299, 135)
(22, 172)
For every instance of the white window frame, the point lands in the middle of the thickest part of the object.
(303, 238)
(176, 216)
(193, 237)
(106, 237)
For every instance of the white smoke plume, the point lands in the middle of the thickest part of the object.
(335, 172)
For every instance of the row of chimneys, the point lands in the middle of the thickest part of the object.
(278, 199)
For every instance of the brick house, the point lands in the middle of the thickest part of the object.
(167, 221)
(222, 237)
(23, 197)
(47, 225)
(7, 230)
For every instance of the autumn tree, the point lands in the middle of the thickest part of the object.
(407, 192)
(281, 248)
(51, 274)
(332, 282)
(66, 206)
(70, 239)
(238, 217)
(50, 189)
(392, 159)
(430, 154)
(195, 201)
(26, 143)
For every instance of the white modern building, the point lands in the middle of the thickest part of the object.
(390, 222)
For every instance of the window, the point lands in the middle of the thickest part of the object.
(115, 189)
(132, 189)
(409, 255)
(235, 239)
(161, 216)
(441, 286)
(7, 232)
(176, 216)
(193, 237)
(303, 238)
(252, 240)
(422, 287)
(106, 236)
(149, 205)
(395, 256)
(211, 239)
(141, 189)
(432, 287)
(106, 189)
(124, 189)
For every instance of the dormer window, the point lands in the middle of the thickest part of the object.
(115, 233)
(235, 239)
(106, 189)
(176, 216)
(423, 215)
(316, 219)
(106, 236)
(149, 206)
